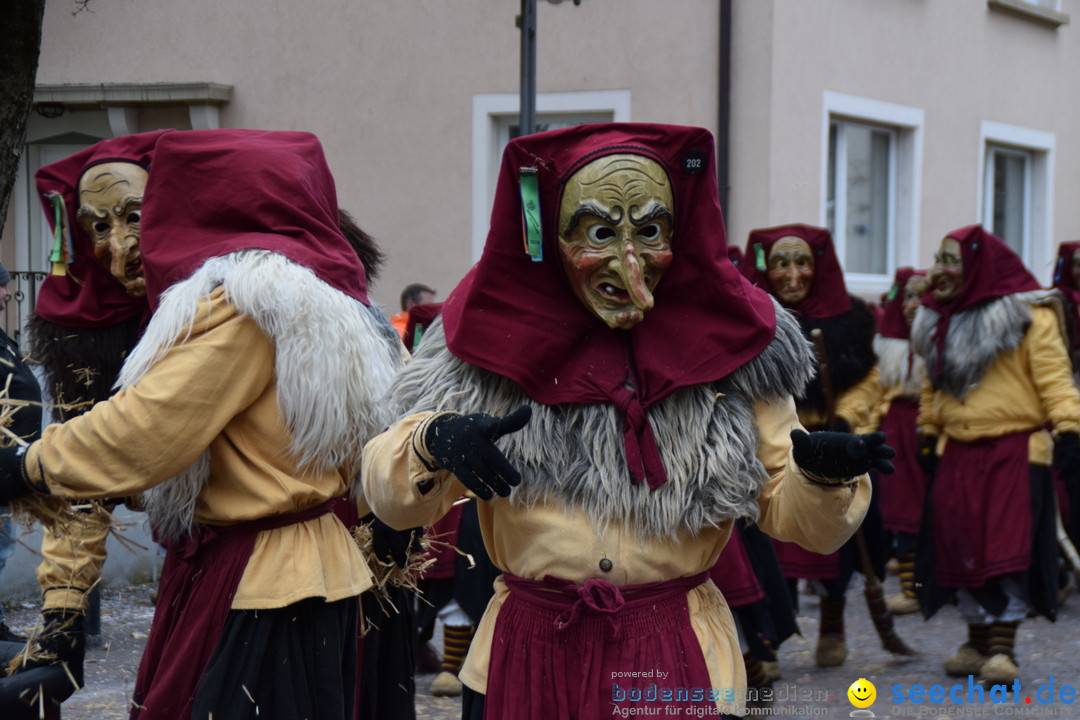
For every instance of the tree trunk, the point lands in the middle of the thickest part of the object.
(18, 69)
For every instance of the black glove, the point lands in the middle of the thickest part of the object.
(841, 455)
(465, 445)
(62, 640)
(392, 545)
(13, 481)
(926, 455)
(1067, 454)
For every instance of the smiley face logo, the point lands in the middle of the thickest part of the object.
(862, 693)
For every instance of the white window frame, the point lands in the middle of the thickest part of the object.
(906, 161)
(1039, 252)
(488, 141)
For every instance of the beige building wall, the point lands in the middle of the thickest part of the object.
(389, 88)
(405, 97)
(962, 64)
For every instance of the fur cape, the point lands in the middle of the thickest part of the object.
(899, 366)
(976, 337)
(849, 347)
(573, 453)
(334, 360)
(80, 364)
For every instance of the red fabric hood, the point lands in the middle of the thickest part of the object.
(828, 294)
(891, 322)
(521, 319)
(991, 270)
(1063, 281)
(214, 192)
(88, 296)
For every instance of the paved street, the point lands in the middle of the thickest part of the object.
(1046, 651)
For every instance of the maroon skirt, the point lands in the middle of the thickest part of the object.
(734, 574)
(198, 582)
(904, 492)
(982, 510)
(798, 562)
(562, 650)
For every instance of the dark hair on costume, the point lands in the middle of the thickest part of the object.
(412, 293)
(362, 244)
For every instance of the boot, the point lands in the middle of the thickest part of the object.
(1001, 668)
(771, 663)
(758, 684)
(973, 654)
(904, 602)
(456, 639)
(831, 648)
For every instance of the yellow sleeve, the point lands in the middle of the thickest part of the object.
(71, 560)
(399, 483)
(793, 508)
(857, 403)
(150, 431)
(1051, 370)
(927, 422)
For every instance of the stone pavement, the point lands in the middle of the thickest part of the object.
(1049, 654)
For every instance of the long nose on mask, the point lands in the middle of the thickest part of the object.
(791, 277)
(121, 242)
(628, 265)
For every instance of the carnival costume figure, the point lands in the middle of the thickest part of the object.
(999, 406)
(242, 414)
(642, 392)
(798, 265)
(901, 373)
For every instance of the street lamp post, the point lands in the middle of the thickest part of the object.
(526, 21)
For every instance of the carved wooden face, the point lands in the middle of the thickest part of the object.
(616, 222)
(913, 291)
(947, 273)
(1074, 268)
(110, 210)
(790, 270)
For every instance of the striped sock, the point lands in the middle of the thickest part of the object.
(907, 574)
(1003, 638)
(980, 637)
(456, 639)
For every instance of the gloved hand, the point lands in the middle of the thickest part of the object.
(392, 545)
(62, 640)
(841, 455)
(465, 445)
(1067, 454)
(926, 455)
(13, 481)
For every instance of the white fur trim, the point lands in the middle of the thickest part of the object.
(334, 359)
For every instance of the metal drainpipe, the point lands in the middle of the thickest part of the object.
(724, 120)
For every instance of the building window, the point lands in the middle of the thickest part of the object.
(1007, 185)
(873, 156)
(862, 182)
(495, 123)
(1015, 197)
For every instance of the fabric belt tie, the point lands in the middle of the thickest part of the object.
(598, 595)
(642, 453)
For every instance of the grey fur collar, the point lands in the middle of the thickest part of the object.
(334, 359)
(573, 453)
(894, 356)
(976, 337)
